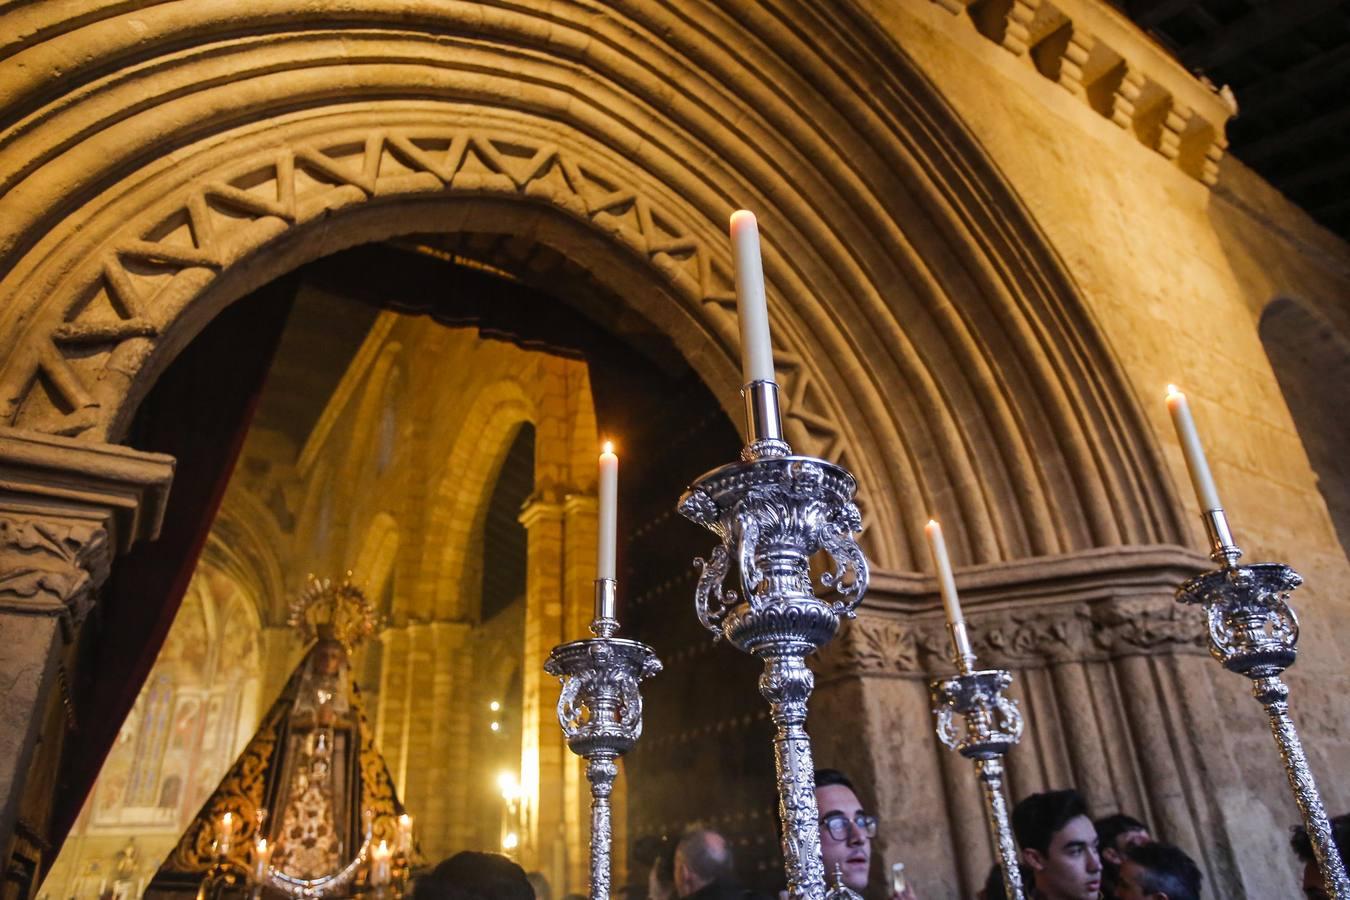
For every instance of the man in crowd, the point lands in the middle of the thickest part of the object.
(704, 867)
(1115, 834)
(1059, 846)
(846, 833)
(1313, 886)
(1158, 872)
(470, 875)
(661, 874)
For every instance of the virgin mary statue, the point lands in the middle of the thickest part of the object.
(310, 794)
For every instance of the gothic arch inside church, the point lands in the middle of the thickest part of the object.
(952, 293)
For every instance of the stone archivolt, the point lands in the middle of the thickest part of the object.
(164, 160)
(622, 141)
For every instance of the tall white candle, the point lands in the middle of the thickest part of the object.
(606, 566)
(751, 308)
(937, 545)
(1196, 464)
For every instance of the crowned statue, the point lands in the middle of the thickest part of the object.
(308, 808)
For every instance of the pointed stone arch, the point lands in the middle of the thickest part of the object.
(927, 336)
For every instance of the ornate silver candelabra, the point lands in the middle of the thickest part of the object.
(600, 710)
(1253, 631)
(992, 726)
(772, 512)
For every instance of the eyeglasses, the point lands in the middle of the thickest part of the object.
(837, 825)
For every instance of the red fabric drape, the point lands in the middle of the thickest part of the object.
(199, 412)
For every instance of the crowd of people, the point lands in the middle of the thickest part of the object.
(1065, 855)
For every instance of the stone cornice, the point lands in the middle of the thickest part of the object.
(107, 485)
(1097, 605)
(1103, 59)
(1044, 579)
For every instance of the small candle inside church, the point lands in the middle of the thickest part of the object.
(379, 865)
(751, 308)
(1196, 463)
(405, 825)
(262, 858)
(606, 563)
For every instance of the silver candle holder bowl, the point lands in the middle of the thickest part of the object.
(600, 711)
(773, 511)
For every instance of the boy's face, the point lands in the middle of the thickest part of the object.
(1070, 868)
(854, 853)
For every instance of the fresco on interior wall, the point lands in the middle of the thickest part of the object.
(182, 733)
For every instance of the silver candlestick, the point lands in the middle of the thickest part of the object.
(772, 512)
(600, 710)
(1253, 631)
(993, 725)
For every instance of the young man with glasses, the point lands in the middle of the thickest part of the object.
(846, 833)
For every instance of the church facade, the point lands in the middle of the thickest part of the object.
(994, 233)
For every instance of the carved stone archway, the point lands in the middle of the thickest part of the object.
(928, 337)
(173, 158)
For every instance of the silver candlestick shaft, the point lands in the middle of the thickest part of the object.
(1253, 631)
(992, 726)
(772, 511)
(600, 710)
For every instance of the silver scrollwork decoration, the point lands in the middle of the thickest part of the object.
(1253, 631)
(600, 711)
(993, 724)
(772, 512)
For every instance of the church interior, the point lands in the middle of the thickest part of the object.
(314, 317)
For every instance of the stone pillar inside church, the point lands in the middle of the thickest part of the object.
(542, 753)
(66, 509)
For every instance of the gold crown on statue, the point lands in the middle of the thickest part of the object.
(325, 611)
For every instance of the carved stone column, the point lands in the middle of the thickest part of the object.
(542, 751)
(1118, 696)
(66, 509)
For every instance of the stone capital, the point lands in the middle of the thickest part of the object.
(66, 508)
(51, 566)
(537, 511)
(1090, 606)
(580, 505)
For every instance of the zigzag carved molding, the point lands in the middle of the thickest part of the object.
(146, 279)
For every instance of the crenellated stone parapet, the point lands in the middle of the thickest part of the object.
(1103, 59)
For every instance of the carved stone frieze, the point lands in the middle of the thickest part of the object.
(51, 567)
(1017, 637)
